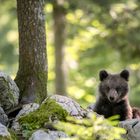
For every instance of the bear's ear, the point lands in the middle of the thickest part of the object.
(103, 75)
(125, 74)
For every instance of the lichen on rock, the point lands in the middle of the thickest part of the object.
(3, 117)
(9, 92)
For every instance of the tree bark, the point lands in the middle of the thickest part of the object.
(32, 74)
(59, 40)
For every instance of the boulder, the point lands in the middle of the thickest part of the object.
(26, 109)
(71, 106)
(133, 129)
(9, 92)
(51, 108)
(47, 113)
(3, 117)
(50, 111)
(47, 135)
(4, 134)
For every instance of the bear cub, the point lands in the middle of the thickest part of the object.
(113, 96)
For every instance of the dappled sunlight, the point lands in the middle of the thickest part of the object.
(2, 67)
(12, 36)
(75, 92)
(4, 20)
(74, 18)
(98, 36)
(90, 82)
(135, 66)
(48, 8)
(121, 7)
(10, 71)
(90, 98)
(79, 60)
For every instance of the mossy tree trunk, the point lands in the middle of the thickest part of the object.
(59, 40)
(32, 74)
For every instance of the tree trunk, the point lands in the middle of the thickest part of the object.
(32, 74)
(59, 39)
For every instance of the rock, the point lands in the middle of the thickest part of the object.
(91, 107)
(66, 103)
(48, 112)
(133, 129)
(3, 117)
(4, 134)
(72, 107)
(9, 92)
(47, 135)
(26, 109)
(52, 109)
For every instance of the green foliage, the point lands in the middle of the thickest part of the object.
(8, 37)
(91, 128)
(13, 134)
(100, 35)
(5, 138)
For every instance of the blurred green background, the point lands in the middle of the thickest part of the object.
(99, 35)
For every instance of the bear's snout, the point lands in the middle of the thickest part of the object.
(113, 95)
(111, 98)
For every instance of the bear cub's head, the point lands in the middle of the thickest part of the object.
(113, 87)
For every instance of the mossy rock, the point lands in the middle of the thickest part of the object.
(47, 112)
(5, 138)
(13, 134)
(4, 134)
(9, 92)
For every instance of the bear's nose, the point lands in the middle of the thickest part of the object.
(111, 98)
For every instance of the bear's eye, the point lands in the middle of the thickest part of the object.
(118, 89)
(107, 88)
(121, 89)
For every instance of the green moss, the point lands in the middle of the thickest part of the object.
(5, 138)
(47, 111)
(5, 85)
(41, 88)
(13, 134)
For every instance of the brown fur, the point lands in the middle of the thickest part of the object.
(113, 96)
